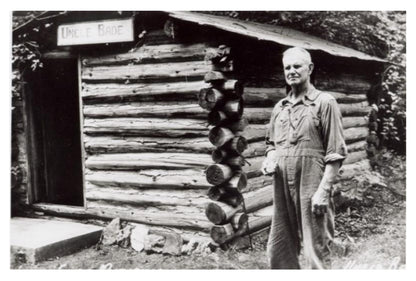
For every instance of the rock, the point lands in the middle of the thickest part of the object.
(106, 266)
(109, 235)
(173, 243)
(204, 248)
(154, 243)
(188, 248)
(123, 236)
(138, 236)
(63, 266)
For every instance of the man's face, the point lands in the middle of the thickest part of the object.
(297, 69)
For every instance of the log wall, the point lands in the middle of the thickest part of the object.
(145, 136)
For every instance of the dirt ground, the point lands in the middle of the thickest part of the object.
(372, 229)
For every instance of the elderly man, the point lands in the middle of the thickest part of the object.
(306, 148)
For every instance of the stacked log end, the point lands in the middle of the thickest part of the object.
(223, 99)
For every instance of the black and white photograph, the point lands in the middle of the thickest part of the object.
(207, 139)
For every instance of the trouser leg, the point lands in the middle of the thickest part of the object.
(318, 231)
(283, 244)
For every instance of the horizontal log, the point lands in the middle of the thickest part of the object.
(202, 98)
(218, 174)
(127, 144)
(355, 134)
(235, 146)
(255, 149)
(234, 162)
(151, 54)
(258, 115)
(239, 220)
(252, 168)
(237, 182)
(107, 211)
(163, 199)
(214, 76)
(218, 155)
(140, 110)
(224, 233)
(143, 161)
(229, 196)
(233, 109)
(342, 82)
(351, 122)
(355, 157)
(356, 146)
(263, 97)
(175, 71)
(253, 132)
(227, 66)
(252, 185)
(233, 87)
(257, 183)
(261, 115)
(164, 179)
(348, 97)
(214, 98)
(187, 235)
(268, 97)
(158, 127)
(218, 136)
(151, 216)
(257, 223)
(120, 144)
(216, 118)
(355, 109)
(237, 125)
(111, 92)
(220, 213)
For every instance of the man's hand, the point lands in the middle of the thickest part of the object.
(268, 165)
(320, 200)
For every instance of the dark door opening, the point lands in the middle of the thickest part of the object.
(56, 121)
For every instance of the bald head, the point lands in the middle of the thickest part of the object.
(299, 53)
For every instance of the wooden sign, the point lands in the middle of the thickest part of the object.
(96, 32)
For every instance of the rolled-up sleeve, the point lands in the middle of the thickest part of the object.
(333, 135)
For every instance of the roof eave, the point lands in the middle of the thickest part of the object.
(278, 34)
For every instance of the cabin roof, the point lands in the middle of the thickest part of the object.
(278, 34)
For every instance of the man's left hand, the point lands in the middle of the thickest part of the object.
(320, 200)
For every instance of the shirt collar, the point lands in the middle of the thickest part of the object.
(308, 98)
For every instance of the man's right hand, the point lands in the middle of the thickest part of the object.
(268, 165)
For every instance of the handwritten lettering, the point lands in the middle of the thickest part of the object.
(95, 32)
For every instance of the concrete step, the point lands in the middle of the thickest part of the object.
(34, 240)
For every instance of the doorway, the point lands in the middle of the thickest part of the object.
(56, 157)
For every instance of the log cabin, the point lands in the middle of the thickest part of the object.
(159, 118)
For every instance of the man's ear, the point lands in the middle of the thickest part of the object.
(311, 66)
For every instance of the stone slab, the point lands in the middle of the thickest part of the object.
(34, 240)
